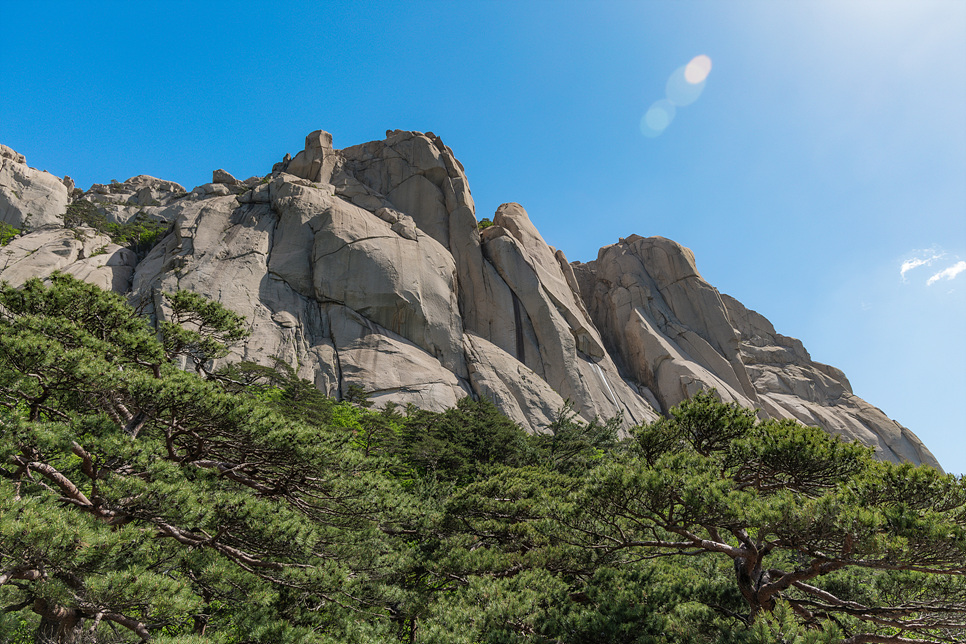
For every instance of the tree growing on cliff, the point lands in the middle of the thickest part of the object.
(815, 527)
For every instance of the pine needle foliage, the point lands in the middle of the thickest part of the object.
(140, 234)
(139, 496)
(140, 501)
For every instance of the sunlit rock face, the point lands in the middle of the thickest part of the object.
(675, 334)
(29, 198)
(365, 266)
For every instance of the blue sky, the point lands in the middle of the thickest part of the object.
(826, 151)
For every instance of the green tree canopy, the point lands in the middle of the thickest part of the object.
(140, 501)
(808, 521)
(137, 495)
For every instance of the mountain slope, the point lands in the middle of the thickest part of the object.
(366, 266)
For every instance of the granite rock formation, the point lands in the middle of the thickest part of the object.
(366, 266)
(29, 197)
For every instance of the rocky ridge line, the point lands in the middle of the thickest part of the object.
(366, 266)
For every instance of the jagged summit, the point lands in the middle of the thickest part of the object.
(366, 266)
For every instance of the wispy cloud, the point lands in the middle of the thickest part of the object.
(923, 259)
(910, 264)
(947, 273)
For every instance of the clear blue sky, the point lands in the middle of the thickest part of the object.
(827, 149)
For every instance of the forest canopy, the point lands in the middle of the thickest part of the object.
(144, 501)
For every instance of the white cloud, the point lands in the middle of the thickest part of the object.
(948, 273)
(916, 262)
(910, 264)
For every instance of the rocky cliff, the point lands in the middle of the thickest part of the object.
(367, 266)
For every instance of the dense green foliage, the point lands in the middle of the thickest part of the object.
(140, 234)
(140, 501)
(7, 233)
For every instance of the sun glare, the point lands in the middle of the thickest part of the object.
(698, 69)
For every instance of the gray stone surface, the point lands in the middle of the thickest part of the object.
(29, 199)
(675, 334)
(81, 252)
(143, 195)
(365, 266)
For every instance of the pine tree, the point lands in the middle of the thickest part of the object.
(139, 501)
(140, 497)
(808, 520)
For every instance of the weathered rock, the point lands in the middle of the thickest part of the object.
(78, 251)
(29, 198)
(404, 285)
(423, 202)
(666, 325)
(161, 187)
(570, 355)
(675, 334)
(555, 277)
(143, 195)
(516, 390)
(221, 176)
(11, 154)
(790, 385)
(111, 268)
(316, 161)
(365, 266)
(388, 367)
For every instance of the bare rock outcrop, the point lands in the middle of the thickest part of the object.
(143, 195)
(29, 198)
(81, 252)
(365, 266)
(791, 385)
(674, 333)
(549, 319)
(666, 325)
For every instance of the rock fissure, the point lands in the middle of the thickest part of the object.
(229, 258)
(350, 243)
(518, 329)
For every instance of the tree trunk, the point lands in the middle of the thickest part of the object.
(751, 578)
(58, 625)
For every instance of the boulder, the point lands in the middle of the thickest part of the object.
(221, 176)
(12, 155)
(316, 161)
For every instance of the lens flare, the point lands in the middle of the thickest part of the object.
(657, 118)
(683, 88)
(698, 69)
(680, 91)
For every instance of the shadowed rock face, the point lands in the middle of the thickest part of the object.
(365, 266)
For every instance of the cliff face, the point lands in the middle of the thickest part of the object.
(366, 266)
